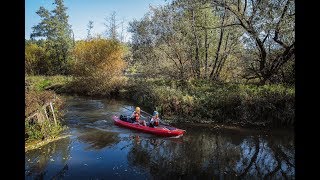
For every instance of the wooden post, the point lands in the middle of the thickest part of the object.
(54, 117)
(45, 112)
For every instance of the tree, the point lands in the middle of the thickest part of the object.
(112, 26)
(90, 26)
(160, 44)
(99, 65)
(184, 40)
(269, 37)
(56, 31)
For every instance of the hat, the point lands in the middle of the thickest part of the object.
(137, 109)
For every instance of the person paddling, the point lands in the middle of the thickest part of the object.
(135, 117)
(154, 121)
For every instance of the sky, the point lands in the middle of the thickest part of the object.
(82, 11)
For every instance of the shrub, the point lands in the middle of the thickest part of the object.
(35, 59)
(225, 103)
(98, 67)
(35, 100)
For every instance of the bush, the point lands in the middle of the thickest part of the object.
(35, 99)
(98, 67)
(204, 101)
(35, 59)
(36, 131)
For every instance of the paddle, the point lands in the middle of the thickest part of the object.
(149, 115)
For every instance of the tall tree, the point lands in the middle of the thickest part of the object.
(112, 26)
(56, 31)
(90, 26)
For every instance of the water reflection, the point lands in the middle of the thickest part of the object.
(37, 160)
(205, 155)
(98, 139)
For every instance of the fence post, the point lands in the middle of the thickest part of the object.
(54, 117)
(45, 112)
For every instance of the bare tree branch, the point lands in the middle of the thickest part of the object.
(276, 33)
(265, 38)
(245, 7)
(217, 27)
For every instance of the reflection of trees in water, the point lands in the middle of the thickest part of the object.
(99, 139)
(213, 155)
(61, 173)
(139, 152)
(266, 159)
(40, 158)
(197, 155)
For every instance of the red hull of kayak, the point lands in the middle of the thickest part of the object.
(160, 130)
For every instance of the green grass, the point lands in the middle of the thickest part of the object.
(41, 83)
(42, 131)
(204, 101)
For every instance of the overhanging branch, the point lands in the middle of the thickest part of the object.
(217, 27)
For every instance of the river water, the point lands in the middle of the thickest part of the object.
(98, 149)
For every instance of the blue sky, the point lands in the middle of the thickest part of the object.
(82, 11)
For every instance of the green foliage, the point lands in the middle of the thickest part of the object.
(205, 101)
(35, 131)
(41, 83)
(98, 67)
(36, 97)
(56, 31)
(204, 40)
(35, 59)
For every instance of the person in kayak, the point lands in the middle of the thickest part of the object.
(154, 121)
(135, 117)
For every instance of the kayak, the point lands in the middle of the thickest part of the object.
(160, 130)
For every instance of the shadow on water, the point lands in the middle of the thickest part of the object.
(98, 139)
(99, 149)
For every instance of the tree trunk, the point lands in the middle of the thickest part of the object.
(206, 55)
(197, 60)
(218, 49)
(222, 59)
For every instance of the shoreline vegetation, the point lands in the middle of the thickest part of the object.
(43, 111)
(228, 104)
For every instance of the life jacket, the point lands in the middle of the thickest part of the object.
(136, 116)
(154, 121)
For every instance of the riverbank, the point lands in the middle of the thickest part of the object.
(43, 111)
(196, 101)
(204, 102)
(38, 143)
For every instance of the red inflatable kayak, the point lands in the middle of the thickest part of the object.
(158, 130)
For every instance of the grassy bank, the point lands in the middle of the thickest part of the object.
(199, 101)
(207, 102)
(39, 124)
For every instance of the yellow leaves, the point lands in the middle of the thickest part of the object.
(98, 65)
(98, 54)
(33, 55)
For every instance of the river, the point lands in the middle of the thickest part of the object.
(98, 149)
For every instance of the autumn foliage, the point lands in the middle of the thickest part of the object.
(35, 59)
(98, 66)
